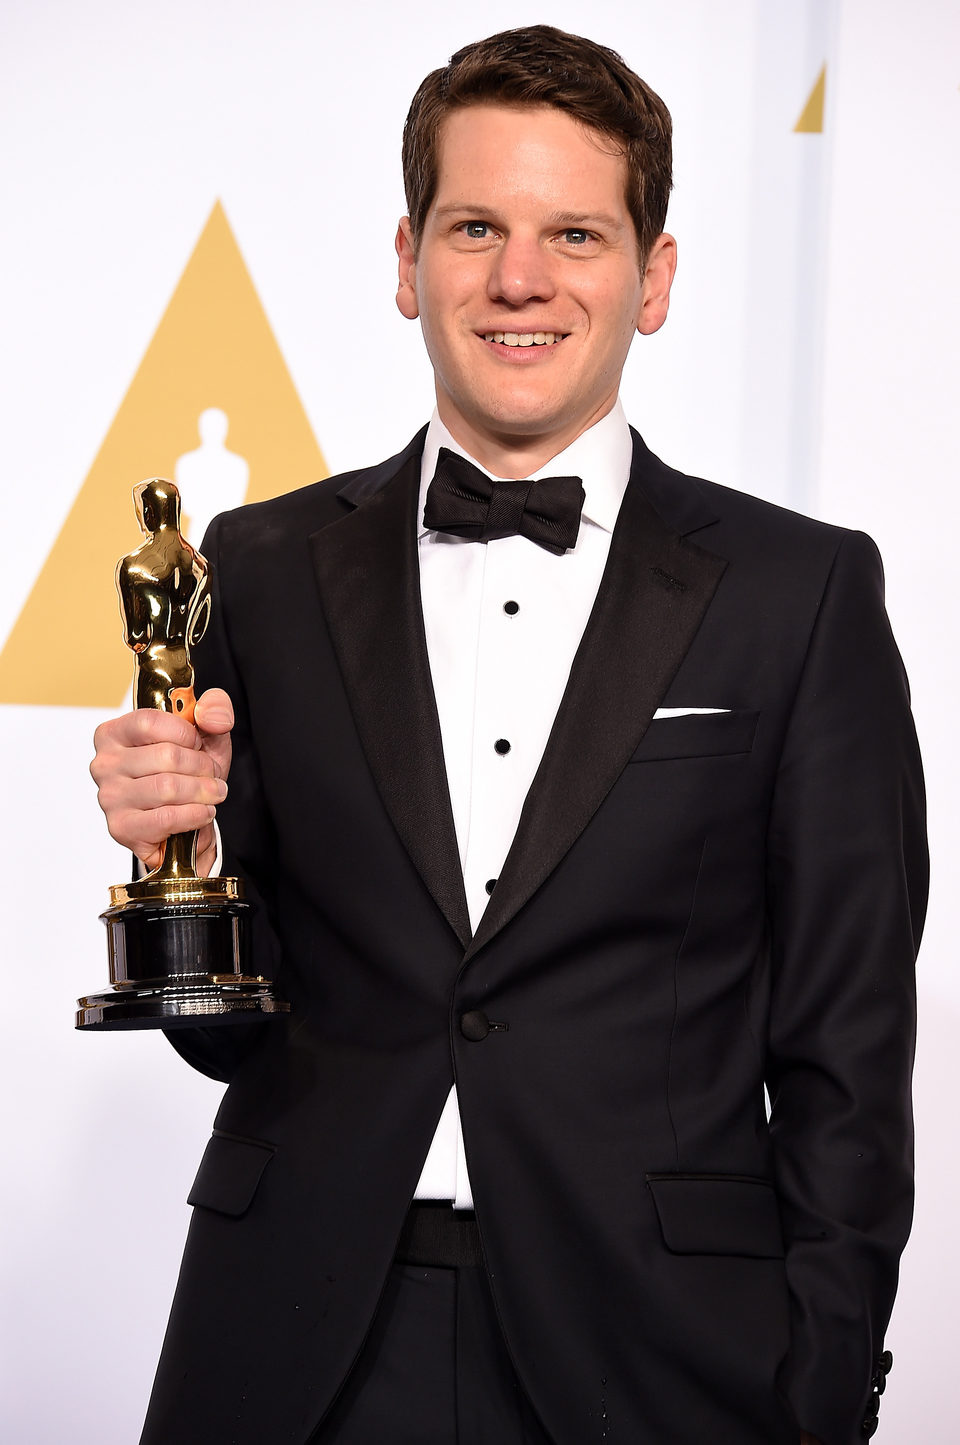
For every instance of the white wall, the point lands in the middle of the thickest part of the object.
(890, 464)
(810, 357)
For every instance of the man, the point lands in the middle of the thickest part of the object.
(607, 819)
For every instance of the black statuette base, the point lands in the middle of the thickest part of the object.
(178, 965)
(198, 1004)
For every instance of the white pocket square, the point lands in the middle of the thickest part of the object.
(686, 711)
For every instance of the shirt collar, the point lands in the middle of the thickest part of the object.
(601, 456)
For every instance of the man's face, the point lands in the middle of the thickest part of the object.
(527, 281)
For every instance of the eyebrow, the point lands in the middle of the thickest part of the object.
(584, 222)
(465, 207)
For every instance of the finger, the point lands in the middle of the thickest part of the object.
(151, 856)
(164, 790)
(141, 832)
(148, 809)
(145, 725)
(150, 759)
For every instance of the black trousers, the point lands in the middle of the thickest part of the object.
(434, 1369)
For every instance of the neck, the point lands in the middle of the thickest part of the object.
(511, 455)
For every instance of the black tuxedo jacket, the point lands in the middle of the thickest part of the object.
(693, 908)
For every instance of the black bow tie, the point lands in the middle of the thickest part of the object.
(464, 501)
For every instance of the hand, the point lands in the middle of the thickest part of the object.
(157, 774)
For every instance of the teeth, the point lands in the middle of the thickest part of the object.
(524, 338)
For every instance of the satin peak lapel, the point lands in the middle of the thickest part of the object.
(655, 590)
(368, 573)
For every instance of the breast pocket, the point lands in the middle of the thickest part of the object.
(698, 735)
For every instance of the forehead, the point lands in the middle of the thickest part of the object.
(497, 154)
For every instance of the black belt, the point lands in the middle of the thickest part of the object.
(438, 1234)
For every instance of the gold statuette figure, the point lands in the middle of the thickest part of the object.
(178, 944)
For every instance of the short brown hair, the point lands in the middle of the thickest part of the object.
(539, 65)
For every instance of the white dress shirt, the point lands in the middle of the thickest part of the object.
(503, 621)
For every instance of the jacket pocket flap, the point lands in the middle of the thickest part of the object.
(717, 1214)
(697, 735)
(229, 1173)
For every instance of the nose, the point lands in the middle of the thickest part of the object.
(521, 272)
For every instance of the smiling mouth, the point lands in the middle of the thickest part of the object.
(524, 338)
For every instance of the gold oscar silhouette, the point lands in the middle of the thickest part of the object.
(178, 944)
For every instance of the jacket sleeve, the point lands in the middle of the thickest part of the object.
(246, 832)
(847, 888)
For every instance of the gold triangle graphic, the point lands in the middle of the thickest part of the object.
(213, 348)
(811, 117)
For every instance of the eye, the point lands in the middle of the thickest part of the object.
(576, 237)
(476, 230)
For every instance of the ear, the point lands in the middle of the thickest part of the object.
(657, 280)
(407, 288)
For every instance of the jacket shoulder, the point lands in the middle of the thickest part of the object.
(771, 550)
(744, 509)
(690, 503)
(739, 525)
(786, 544)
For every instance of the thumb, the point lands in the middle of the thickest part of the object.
(214, 719)
(214, 713)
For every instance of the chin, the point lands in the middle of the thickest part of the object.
(513, 416)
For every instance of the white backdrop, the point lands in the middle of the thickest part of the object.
(810, 357)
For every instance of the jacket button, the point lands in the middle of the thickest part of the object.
(474, 1026)
(885, 1362)
(869, 1426)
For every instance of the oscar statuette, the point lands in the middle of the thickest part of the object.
(178, 944)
